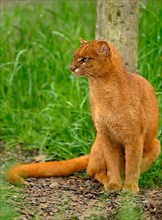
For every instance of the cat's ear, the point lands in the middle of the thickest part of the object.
(82, 41)
(103, 48)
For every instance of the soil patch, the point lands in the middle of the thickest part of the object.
(79, 197)
(83, 198)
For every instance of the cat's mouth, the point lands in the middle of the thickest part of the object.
(76, 71)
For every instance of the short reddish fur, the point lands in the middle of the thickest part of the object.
(125, 113)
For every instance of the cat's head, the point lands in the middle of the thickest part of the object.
(92, 58)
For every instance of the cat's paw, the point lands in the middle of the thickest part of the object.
(113, 186)
(131, 188)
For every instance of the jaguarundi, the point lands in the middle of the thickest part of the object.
(125, 114)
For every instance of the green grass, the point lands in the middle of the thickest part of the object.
(149, 60)
(43, 106)
(10, 196)
(129, 207)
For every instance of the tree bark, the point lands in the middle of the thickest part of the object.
(117, 23)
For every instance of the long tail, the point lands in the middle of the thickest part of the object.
(16, 174)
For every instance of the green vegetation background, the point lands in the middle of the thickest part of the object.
(45, 107)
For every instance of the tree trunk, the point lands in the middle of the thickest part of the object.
(117, 23)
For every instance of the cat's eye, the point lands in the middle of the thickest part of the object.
(83, 60)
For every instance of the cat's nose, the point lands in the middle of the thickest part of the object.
(73, 68)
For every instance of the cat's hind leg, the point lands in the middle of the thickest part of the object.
(150, 153)
(98, 171)
(102, 177)
(96, 166)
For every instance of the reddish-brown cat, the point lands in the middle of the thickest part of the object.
(125, 114)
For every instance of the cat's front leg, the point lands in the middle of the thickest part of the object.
(133, 158)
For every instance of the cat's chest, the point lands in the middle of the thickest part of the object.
(103, 116)
(111, 122)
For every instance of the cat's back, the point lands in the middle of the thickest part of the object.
(143, 91)
(141, 87)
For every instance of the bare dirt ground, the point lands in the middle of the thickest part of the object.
(80, 198)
